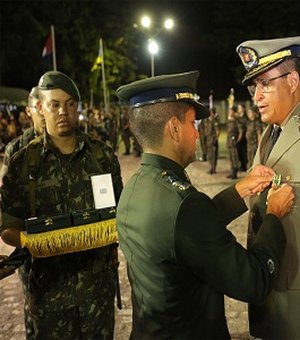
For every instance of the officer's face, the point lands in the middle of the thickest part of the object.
(60, 112)
(36, 116)
(275, 102)
(189, 136)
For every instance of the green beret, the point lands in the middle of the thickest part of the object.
(259, 56)
(57, 80)
(34, 93)
(164, 88)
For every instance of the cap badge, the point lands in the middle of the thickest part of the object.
(248, 57)
(184, 95)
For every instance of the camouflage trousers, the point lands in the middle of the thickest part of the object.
(76, 305)
(212, 154)
(233, 157)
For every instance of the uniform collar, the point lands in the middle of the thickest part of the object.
(164, 163)
(48, 144)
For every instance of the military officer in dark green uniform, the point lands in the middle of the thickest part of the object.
(181, 258)
(70, 296)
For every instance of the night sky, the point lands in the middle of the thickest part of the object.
(207, 33)
(205, 36)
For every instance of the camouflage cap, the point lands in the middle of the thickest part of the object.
(57, 80)
(164, 88)
(259, 56)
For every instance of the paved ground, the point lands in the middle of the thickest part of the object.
(11, 300)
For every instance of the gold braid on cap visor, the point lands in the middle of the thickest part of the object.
(268, 60)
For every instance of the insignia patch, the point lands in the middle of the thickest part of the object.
(249, 57)
(179, 185)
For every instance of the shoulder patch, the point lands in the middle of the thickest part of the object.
(176, 182)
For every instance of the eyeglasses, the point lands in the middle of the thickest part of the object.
(263, 85)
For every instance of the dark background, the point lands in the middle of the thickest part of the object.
(205, 36)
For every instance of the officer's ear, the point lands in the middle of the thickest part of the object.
(39, 107)
(293, 80)
(174, 128)
(28, 112)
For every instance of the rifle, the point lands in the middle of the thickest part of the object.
(16, 258)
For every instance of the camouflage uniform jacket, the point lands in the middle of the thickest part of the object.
(253, 129)
(233, 129)
(18, 143)
(211, 130)
(63, 185)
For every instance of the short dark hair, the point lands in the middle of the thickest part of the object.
(148, 122)
(290, 64)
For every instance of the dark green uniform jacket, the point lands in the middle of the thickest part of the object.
(182, 259)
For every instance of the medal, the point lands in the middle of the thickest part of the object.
(278, 179)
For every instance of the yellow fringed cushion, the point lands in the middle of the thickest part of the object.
(70, 240)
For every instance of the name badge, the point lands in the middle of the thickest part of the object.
(103, 191)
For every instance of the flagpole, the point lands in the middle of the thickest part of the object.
(53, 48)
(101, 53)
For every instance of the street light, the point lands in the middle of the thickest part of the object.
(146, 27)
(169, 24)
(153, 49)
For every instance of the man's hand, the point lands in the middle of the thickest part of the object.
(255, 182)
(6, 271)
(280, 200)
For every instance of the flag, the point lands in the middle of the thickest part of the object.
(99, 60)
(48, 48)
(97, 63)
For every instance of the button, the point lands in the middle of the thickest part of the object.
(271, 266)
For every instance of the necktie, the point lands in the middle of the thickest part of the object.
(271, 142)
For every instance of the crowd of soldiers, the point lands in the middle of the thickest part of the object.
(243, 130)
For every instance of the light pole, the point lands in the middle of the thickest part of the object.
(151, 33)
(153, 49)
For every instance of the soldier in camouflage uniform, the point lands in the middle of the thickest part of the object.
(233, 132)
(70, 296)
(29, 134)
(241, 145)
(202, 139)
(212, 132)
(38, 122)
(253, 133)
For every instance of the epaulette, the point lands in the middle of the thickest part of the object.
(297, 120)
(175, 181)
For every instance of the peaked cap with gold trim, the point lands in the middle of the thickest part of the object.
(259, 56)
(164, 88)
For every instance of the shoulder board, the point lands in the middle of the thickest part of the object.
(296, 117)
(175, 181)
